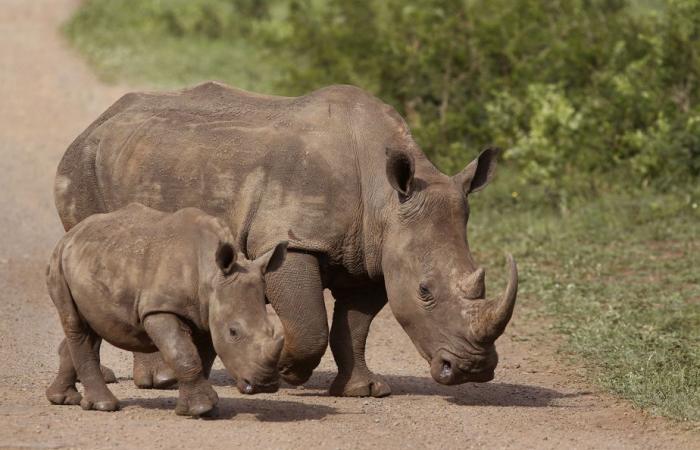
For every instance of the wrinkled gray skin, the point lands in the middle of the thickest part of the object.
(337, 173)
(150, 281)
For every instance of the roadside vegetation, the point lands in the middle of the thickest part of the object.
(596, 102)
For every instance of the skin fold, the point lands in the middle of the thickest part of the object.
(149, 281)
(338, 175)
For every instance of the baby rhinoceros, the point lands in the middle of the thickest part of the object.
(149, 281)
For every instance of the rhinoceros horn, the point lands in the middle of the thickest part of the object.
(496, 313)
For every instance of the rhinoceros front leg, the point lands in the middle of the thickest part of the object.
(173, 338)
(296, 293)
(352, 316)
(151, 372)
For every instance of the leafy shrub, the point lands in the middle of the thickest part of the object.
(576, 90)
(585, 95)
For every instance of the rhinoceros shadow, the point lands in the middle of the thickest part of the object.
(470, 394)
(265, 410)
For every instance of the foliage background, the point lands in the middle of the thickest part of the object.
(596, 103)
(575, 90)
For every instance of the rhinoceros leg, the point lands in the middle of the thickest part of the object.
(296, 293)
(173, 339)
(151, 372)
(352, 316)
(62, 391)
(206, 351)
(83, 346)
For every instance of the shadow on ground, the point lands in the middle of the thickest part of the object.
(265, 410)
(471, 394)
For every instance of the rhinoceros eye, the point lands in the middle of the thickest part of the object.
(424, 292)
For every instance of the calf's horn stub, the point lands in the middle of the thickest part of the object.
(496, 313)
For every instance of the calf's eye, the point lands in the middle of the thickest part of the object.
(233, 332)
(424, 292)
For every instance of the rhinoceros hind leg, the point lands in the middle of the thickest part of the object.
(83, 346)
(151, 372)
(171, 336)
(62, 391)
(352, 316)
(296, 294)
(85, 352)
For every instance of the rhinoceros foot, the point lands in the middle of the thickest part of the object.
(295, 376)
(368, 385)
(60, 394)
(196, 399)
(100, 402)
(151, 372)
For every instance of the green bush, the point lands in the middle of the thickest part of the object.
(583, 94)
(576, 90)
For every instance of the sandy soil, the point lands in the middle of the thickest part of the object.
(48, 96)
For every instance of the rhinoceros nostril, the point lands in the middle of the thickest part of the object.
(446, 371)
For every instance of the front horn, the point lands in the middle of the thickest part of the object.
(496, 313)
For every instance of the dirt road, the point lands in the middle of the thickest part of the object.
(47, 96)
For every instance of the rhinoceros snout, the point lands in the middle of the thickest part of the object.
(446, 368)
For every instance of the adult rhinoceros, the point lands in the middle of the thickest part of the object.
(337, 174)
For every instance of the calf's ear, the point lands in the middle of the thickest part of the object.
(479, 172)
(399, 171)
(273, 259)
(226, 257)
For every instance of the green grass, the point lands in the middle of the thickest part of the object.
(618, 276)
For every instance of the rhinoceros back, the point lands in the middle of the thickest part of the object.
(273, 168)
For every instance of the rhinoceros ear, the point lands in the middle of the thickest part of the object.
(272, 260)
(226, 257)
(399, 171)
(479, 172)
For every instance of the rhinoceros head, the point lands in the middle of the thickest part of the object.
(435, 289)
(243, 335)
